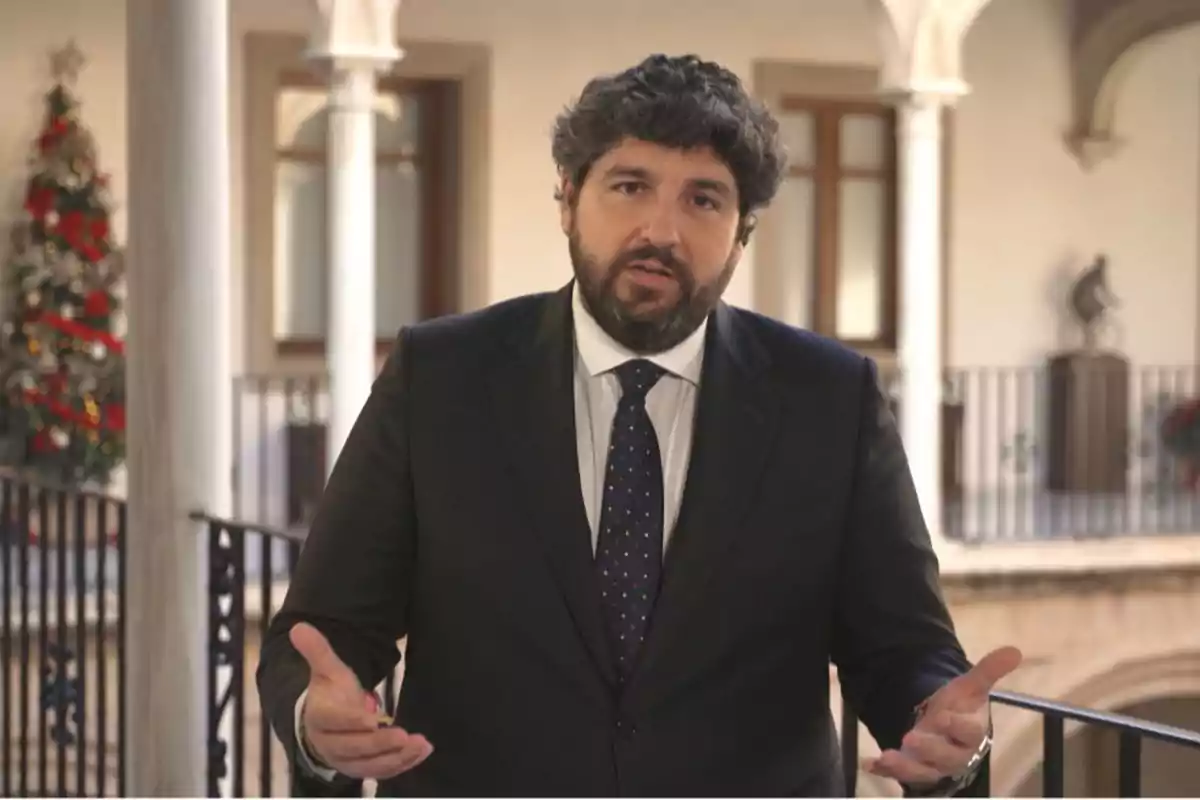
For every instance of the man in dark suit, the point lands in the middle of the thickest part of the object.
(624, 527)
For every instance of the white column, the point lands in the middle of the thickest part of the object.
(350, 339)
(354, 40)
(920, 325)
(178, 379)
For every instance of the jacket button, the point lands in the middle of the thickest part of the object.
(626, 729)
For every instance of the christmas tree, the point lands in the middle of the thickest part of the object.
(62, 366)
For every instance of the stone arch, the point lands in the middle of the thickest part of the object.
(1103, 57)
(1122, 684)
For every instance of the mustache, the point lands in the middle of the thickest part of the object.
(649, 252)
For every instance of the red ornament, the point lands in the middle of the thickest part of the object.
(39, 202)
(99, 228)
(97, 304)
(71, 228)
(114, 417)
(52, 134)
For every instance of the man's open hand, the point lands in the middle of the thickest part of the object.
(341, 719)
(953, 725)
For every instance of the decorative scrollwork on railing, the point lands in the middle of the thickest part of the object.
(225, 645)
(1021, 452)
(60, 694)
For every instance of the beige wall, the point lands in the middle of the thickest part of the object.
(1026, 216)
(1023, 215)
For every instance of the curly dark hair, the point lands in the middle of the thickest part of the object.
(681, 102)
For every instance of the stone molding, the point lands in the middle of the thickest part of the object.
(1100, 60)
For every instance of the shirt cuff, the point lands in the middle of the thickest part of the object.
(306, 760)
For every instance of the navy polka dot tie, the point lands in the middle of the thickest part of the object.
(630, 545)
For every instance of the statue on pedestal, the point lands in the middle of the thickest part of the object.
(1088, 413)
(1090, 301)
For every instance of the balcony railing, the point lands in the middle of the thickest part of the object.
(1063, 451)
(1132, 733)
(1066, 451)
(62, 656)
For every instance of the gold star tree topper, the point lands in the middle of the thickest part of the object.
(67, 62)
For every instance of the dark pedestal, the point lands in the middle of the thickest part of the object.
(952, 433)
(305, 470)
(1088, 424)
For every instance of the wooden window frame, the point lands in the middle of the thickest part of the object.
(827, 172)
(436, 137)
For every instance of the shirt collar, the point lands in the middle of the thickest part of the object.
(601, 353)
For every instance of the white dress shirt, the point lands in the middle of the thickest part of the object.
(671, 405)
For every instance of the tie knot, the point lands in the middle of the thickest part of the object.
(638, 377)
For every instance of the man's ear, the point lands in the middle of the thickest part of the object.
(565, 195)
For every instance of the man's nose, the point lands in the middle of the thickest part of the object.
(661, 227)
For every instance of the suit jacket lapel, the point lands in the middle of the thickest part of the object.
(535, 411)
(736, 418)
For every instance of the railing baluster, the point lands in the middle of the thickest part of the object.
(81, 632)
(122, 608)
(237, 649)
(216, 581)
(1053, 747)
(7, 531)
(43, 548)
(61, 682)
(264, 619)
(23, 532)
(1129, 764)
(102, 650)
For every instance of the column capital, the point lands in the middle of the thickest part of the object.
(922, 43)
(355, 34)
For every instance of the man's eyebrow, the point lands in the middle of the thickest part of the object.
(641, 173)
(624, 171)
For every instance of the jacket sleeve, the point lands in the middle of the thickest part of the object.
(894, 643)
(353, 577)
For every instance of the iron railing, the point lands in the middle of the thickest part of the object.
(249, 568)
(62, 652)
(1063, 451)
(1131, 731)
(1028, 453)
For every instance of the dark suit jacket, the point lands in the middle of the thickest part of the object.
(454, 517)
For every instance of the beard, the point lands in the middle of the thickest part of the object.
(655, 330)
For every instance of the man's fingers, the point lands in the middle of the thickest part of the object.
(899, 767)
(992, 669)
(327, 710)
(360, 745)
(967, 730)
(387, 765)
(322, 661)
(937, 751)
